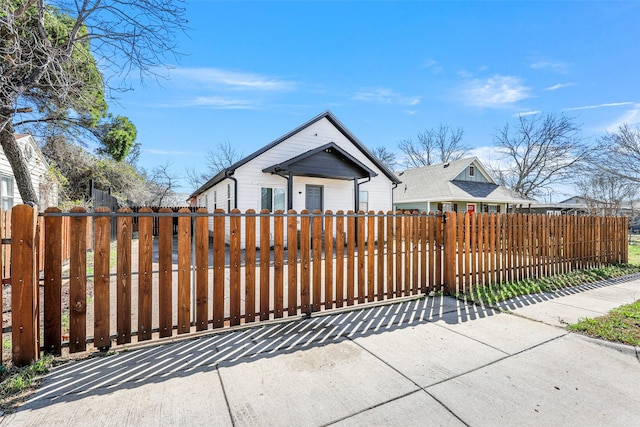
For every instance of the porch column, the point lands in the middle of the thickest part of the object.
(356, 195)
(290, 192)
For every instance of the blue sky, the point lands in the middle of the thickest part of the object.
(252, 71)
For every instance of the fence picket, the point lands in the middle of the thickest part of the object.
(460, 272)
(397, 289)
(250, 267)
(360, 238)
(102, 279)
(265, 259)
(406, 220)
(278, 264)
(123, 293)
(328, 260)
(218, 268)
(165, 275)
(184, 272)
(305, 247)
(339, 259)
(53, 284)
(292, 263)
(317, 260)
(424, 283)
(24, 286)
(380, 261)
(202, 270)
(390, 255)
(415, 250)
(234, 267)
(145, 274)
(351, 238)
(371, 256)
(78, 283)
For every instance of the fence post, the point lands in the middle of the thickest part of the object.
(449, 254)
(24, 285)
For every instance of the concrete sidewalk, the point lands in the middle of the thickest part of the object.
(433, 361)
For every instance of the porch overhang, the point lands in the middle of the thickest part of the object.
(327, 161)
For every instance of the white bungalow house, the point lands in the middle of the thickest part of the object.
(460, 186)
(318, 165)
(45, 188)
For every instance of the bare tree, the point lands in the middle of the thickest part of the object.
(605, 193)
(618, 153)
(222, 156)
(386, 156)
(539, 151)
(195, 179)
(439, 145)
(49, 56)
(163, 183)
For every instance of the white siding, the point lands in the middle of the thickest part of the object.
(251, 177)
(337, 194)
(38, 169)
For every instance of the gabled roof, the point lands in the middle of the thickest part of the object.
(327, 161)
(325, 115)
(439, 183)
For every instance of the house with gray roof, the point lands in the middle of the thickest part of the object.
(318, 165)
(462, 185)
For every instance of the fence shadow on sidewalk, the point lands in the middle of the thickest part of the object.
(131, 369)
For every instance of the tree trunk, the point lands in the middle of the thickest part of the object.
(18, 165)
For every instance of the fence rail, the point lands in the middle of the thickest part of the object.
(225, 269)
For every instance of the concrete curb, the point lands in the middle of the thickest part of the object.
(622, 348)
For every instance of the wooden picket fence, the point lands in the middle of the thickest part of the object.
(262, 266)
(5, 252)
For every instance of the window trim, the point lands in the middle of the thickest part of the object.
(10, 196)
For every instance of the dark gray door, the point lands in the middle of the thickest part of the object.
(313, 199)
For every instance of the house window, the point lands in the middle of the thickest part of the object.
(363, 201)
(472, 171)
(272, 199)
(6, 192)
(228, 197)
(215, 200)
(445, 207)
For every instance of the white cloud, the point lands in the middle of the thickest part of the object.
(558, 66)
(432, 65)
(560, 86)
(592, 107)
(495, 92)
(218, 102)
(527, 113)
(385, 96)
(232, 79)
(630, 117)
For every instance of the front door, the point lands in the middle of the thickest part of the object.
(313, 198)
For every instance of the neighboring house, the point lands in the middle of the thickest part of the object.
(461, 186)
(318, 165)
(45, 188)
(578, 205)
(572, 206)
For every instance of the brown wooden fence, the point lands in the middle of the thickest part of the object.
(274, 266)
(5, 252)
